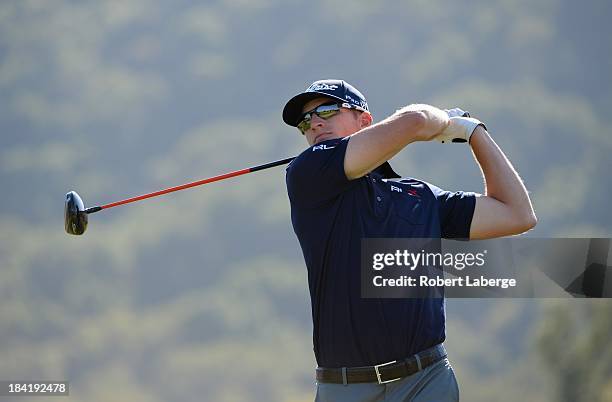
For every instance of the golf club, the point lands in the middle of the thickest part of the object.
(76, 215)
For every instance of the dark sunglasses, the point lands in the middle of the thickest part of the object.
(324, 111)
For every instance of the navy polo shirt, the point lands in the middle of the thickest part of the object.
(330, 215)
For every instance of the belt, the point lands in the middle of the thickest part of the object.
(382, 373)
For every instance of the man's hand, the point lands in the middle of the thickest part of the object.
(460, 128)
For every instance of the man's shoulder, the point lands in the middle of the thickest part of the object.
(316, 154)
(317, 174)
(322, 146)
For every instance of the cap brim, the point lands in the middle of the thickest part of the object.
(293, 109)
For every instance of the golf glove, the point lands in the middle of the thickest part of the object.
(456, 112)
(461, 127)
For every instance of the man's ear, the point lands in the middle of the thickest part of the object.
(365, 119)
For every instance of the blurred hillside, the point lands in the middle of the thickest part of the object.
(202, 295)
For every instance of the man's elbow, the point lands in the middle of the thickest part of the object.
(414, 123)
(524, 222)
(529, 222)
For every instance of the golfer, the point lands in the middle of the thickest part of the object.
(342, 189)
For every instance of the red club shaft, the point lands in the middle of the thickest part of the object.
(189, 185)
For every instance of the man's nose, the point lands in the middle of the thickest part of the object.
(316, 121)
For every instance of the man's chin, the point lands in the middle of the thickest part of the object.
(323, 137)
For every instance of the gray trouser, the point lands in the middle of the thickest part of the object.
(436, 383)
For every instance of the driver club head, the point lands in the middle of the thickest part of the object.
(75, 217)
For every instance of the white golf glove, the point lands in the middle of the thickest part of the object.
(456, 112)
(461, 127)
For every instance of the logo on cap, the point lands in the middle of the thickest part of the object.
(321, 87)
(357, 102)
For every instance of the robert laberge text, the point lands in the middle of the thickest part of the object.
(467, 281)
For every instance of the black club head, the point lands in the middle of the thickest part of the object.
(75, 217)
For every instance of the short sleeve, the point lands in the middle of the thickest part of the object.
(456, 210)
(317, 174)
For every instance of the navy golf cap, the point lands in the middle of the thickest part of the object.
(336, 89)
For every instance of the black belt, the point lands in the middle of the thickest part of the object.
(382, 373)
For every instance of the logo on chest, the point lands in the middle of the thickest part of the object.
(409, 191)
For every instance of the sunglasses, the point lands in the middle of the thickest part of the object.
(324, 111)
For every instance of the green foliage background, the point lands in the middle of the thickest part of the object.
(202, 295)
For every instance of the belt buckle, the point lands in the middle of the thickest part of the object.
(378, 372)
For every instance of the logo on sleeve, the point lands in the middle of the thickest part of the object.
(323, 147)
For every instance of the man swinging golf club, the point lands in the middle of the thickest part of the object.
(339, 194)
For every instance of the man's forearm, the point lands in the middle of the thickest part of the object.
(436, 120)
(501, 180)
(378, 143)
